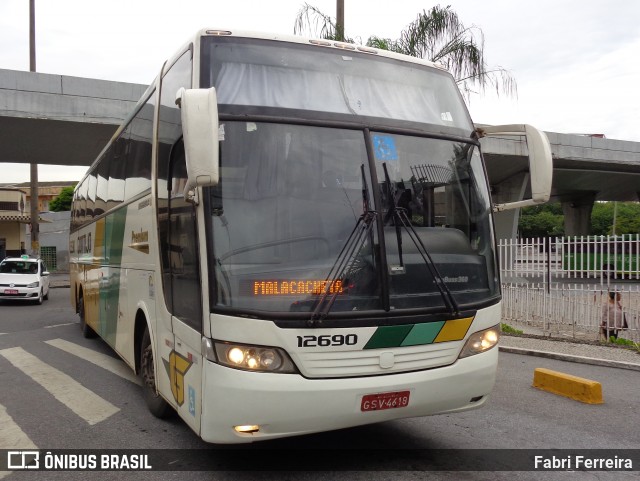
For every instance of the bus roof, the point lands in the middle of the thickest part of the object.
(324, 43)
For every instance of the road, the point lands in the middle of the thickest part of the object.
(48, 371)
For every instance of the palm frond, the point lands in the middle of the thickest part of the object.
(436, 34)
(311, 22)
(439, 35)
(384, 44)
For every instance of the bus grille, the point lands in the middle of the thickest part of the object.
(368, 362)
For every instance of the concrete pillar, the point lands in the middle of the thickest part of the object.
(577, 215)
(511, 190)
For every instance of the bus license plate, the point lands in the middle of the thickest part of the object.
(385, 400)
(11, 292)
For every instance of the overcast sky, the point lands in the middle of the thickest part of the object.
(575, 61)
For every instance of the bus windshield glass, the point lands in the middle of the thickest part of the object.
(311, 78)
(290, 197)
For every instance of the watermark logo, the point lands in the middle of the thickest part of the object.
(23, 459)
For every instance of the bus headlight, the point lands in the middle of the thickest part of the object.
(250, 358)
(481, 341)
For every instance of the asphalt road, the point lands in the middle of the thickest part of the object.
(517, 416)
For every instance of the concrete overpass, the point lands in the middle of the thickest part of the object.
(585, 169)
(62, 120)
(57, 119)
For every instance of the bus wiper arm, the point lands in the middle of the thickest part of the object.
(342, 266)
(393, 213)
(445, 292)
(400, 218)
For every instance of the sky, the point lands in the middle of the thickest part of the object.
(575, 61)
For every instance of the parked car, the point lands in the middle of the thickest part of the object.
(24, 279)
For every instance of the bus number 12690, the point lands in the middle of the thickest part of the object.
(327, 340)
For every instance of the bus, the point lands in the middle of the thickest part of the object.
(291, 235)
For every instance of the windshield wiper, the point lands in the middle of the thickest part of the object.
(345, 260)
(400, 218)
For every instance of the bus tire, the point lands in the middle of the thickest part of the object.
(87, 332)
(155, 403)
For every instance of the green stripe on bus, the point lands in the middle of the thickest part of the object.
(423, 333)
(419, 334)
(388, 336)
(110, 291)
(115, 236)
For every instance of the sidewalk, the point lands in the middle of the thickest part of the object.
(568, 345)
(58, 279)
(532, 343)
(571, 350)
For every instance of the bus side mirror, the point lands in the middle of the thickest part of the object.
(540, 163)
(200, 135)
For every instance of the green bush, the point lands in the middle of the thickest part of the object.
(509, 330)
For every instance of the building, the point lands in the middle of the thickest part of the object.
(13, 217)
(15, 224)
(47, 191)
(54, 240)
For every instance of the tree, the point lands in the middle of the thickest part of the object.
(437, 35)
(63, 201)
(541, 221)
(548, 219)
(627, 218)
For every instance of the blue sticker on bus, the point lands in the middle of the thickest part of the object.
(384, 148)
(192, 401)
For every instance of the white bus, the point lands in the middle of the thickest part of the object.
(289, 236)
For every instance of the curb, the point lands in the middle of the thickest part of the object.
(570, 358)
(572, 387)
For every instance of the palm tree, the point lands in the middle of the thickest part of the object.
(437, 35)
(312, 22)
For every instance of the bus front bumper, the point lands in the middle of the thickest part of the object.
(282, 405)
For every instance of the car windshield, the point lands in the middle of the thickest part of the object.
(18, 267)
(296, 216)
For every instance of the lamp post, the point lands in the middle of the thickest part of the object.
(340, 19)
(35, 238)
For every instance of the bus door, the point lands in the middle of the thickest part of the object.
(179, 336)
(185, 302)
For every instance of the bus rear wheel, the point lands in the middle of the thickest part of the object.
(87, 332)
(155, 403)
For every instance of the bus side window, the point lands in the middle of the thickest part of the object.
(183, 246)
(169, 139)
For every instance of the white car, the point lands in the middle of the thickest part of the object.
(24, 279)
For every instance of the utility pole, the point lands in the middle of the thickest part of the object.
(340, 19)
(35, 214)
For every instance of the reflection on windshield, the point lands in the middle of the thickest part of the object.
(285, 208)
(439, 188)
(294, 228)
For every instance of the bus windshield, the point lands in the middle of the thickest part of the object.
(290, 197)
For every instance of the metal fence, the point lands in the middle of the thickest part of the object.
(585, 257)
(561, 285)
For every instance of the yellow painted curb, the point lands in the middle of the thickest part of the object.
(578, 388)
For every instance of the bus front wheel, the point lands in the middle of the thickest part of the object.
(156, 404)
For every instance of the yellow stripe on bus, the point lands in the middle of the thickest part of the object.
(454, 330)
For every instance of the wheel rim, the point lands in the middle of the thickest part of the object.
(148, 375)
